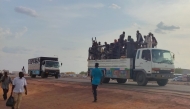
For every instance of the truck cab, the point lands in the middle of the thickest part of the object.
(44, 66)
(51, 67)
(153, 64)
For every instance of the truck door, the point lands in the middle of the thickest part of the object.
(137, 60)
(144, 61)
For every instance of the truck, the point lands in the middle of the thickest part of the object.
(44, 67)
(134, 65)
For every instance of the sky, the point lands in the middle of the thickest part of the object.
(64, 28)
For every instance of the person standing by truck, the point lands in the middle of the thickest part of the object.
(6, 80)
(96, 79)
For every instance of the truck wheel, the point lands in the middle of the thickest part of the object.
(106, 80)
(119, 80)
(141, 79)
(56, 76)
(162, 82)
(33, 76)
(42, 75)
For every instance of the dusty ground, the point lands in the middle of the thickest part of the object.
(44, 94)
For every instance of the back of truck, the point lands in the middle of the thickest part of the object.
(119, 69)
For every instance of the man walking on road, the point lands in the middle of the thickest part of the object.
(6, 80)
(96, 79)
(19, 84)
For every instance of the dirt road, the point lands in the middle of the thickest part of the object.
(45, 94)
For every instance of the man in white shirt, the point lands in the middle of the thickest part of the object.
(19, 85)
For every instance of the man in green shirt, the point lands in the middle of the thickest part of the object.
(96, 79)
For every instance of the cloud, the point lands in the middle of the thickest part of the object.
(15, 50)
(136, 26)
(21, 33)
(161, 27)
(27, 11)
(114, 6)
(164, 27)
(151, 12)
(157, 30)
(5, 32)
(82, 6)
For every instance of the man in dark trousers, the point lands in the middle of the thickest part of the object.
(121, 39)
(96, 79)
(1, 75)
(154, 41)
(139, 39)
(6, 80)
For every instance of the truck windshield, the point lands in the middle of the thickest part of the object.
(52, 64)
(162, 56)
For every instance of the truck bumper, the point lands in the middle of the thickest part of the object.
(160, 76)
(52, 72)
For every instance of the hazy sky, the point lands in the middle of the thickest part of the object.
(32, 28)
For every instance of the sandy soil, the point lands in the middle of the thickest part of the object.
(64, 95)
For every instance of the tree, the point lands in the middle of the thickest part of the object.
(178, 70)
(82, 72)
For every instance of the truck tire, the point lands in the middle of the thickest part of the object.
(56, 76)
(106, 80)
(33, 76)
(162, 82)
(119, 80)
(42, 75)
(141, 79)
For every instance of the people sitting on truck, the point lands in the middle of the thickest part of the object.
(93, 51)
(106, 50)
(99, 50)
(116, 49)
(111, 50)
(89, 53)
(149, 40)
(139, 39)
(115, 41)
(130, 39)
(106, 46)
(154, 41)
(121, 39)
(145, 42)
(124, 48)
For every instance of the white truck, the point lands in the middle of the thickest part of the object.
(44, 66)
(145, 64)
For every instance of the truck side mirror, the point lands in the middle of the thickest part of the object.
(61, 64)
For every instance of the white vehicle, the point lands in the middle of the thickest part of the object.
(145, 64)
(44, 66)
